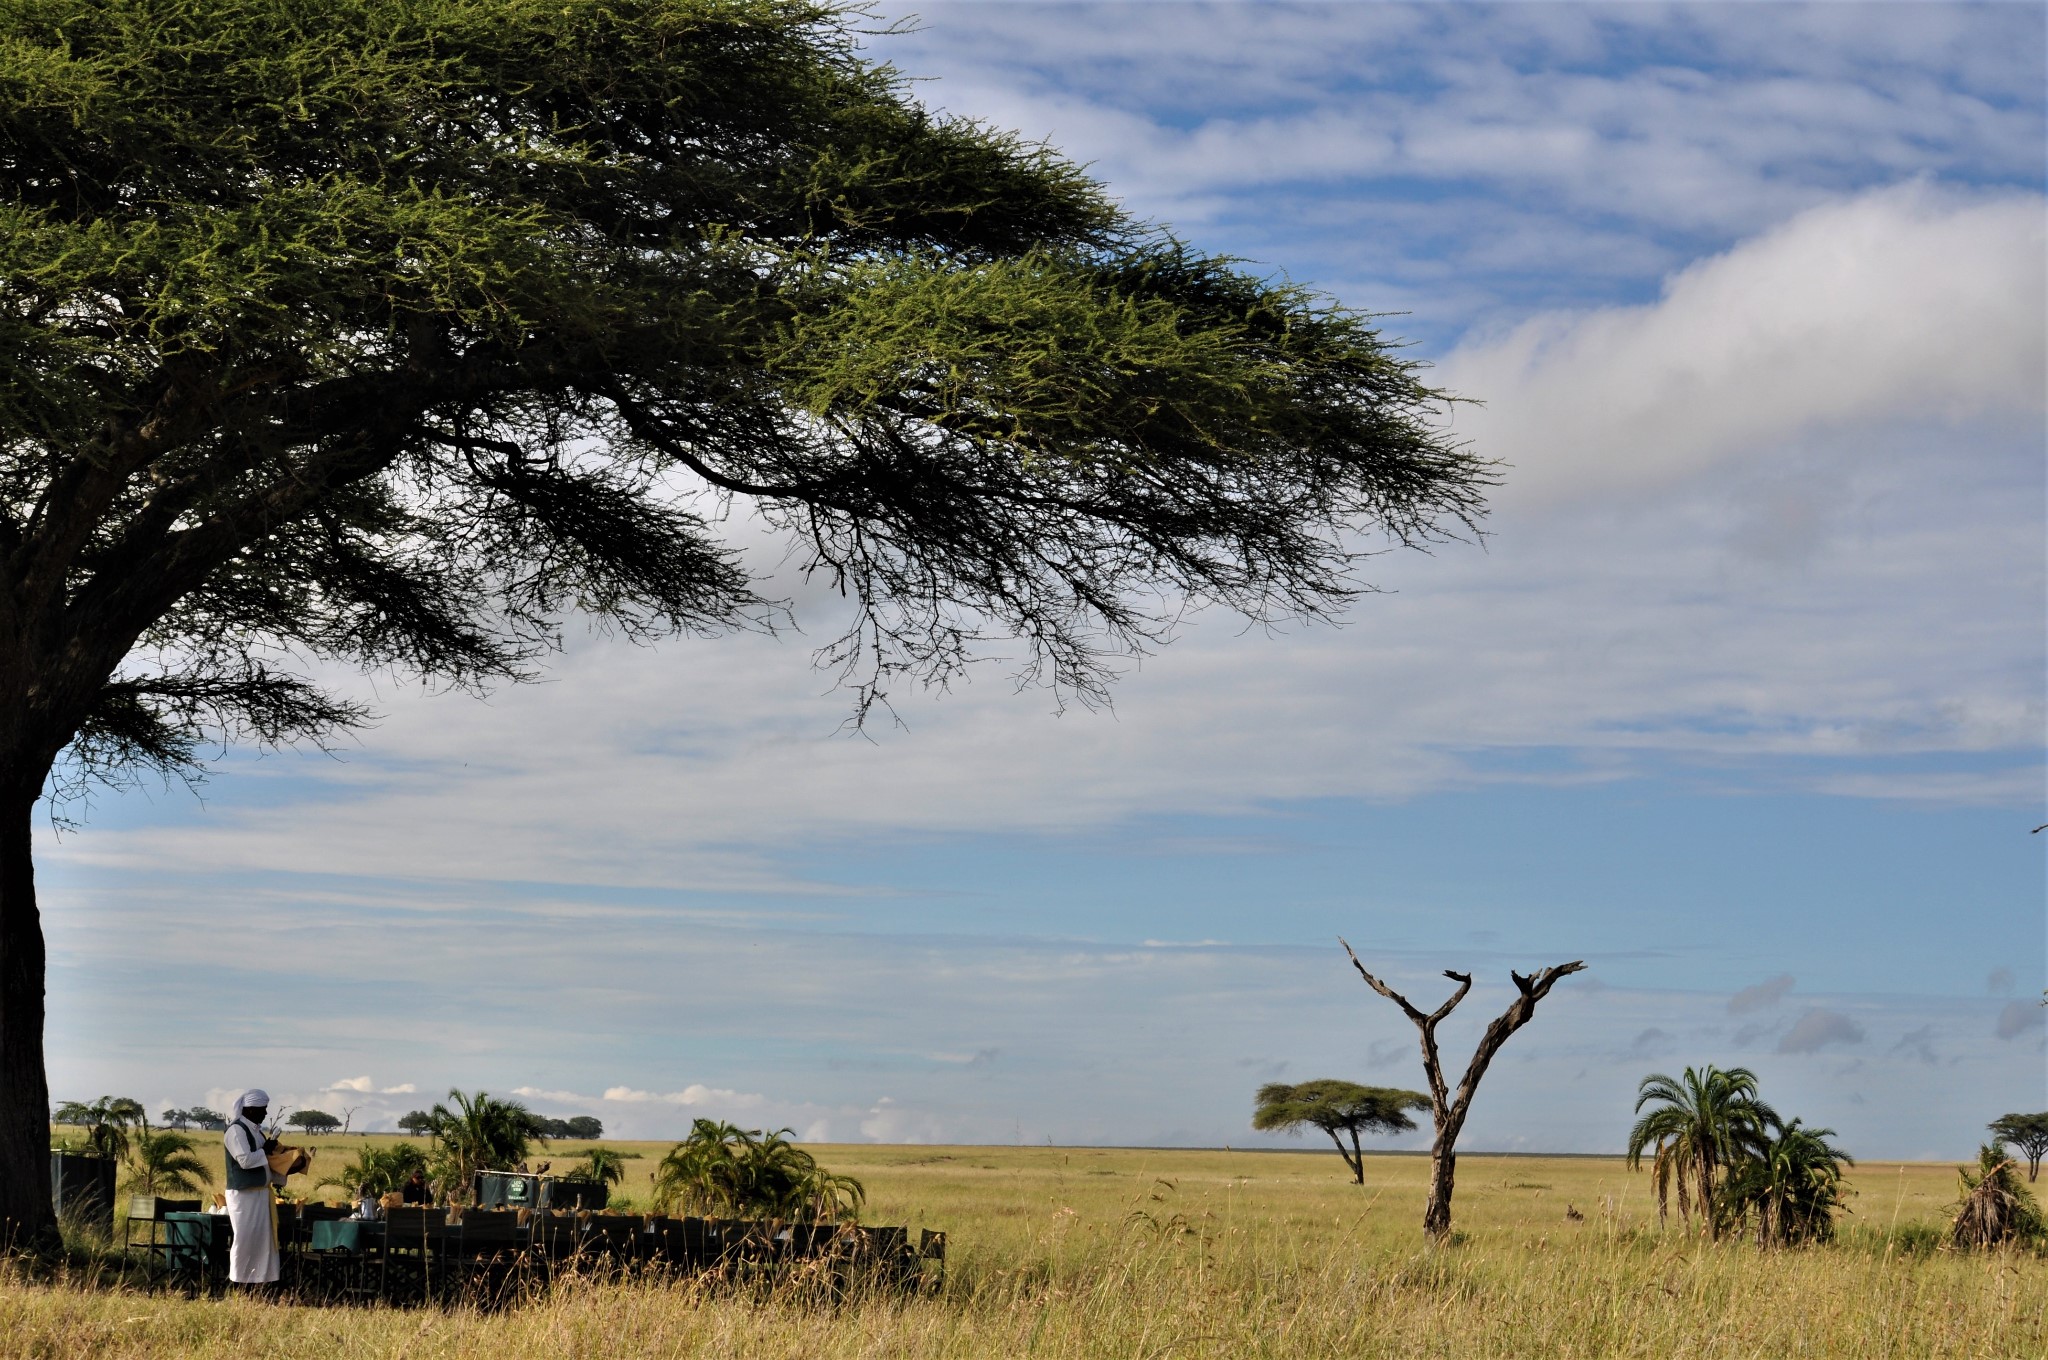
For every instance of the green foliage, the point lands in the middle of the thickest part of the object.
(416, 1122)
(480, 1133)
(391, 338)
(1996, 1209)
(1338, 1108)
(2028, 1133)
(108, 1122)
(162, 1162)
(581, 1126)
(382, 1169)
(600, 1166)
(313, 1121)
(1702, 1125)
(1790, 1185)
(731, 1172)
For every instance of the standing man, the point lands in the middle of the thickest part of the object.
(252, 1209)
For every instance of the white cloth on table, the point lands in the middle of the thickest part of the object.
(253, 1256)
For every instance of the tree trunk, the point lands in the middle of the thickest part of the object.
(1443, 1179)
(26, 1221)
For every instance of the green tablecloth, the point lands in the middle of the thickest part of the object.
(346, 1234)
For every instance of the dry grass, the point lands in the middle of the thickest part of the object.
(1112, 1253)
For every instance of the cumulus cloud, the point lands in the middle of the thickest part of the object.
(2019, 1017)
(1763, 994)
(1817, 1029)
(1906, 303)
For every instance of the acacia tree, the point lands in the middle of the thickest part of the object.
(2028, 1133)
(1338, 1108)
(396, 337)
(313, 1121)
(1446, 1111)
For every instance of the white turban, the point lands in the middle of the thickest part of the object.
(249, 1100)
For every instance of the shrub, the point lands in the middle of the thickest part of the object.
(743, 1173)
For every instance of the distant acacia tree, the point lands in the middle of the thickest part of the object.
(1702, 1126)
(1340, 1109)
(417, 1122)
(395, 338)
(1448, 1113)
(2028, 1133)
(313, 1121)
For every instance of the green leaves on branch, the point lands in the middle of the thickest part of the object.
(395, 338)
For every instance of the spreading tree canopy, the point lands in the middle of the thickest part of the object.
(1338, 1108)
(394, 332)
(2028, 1133)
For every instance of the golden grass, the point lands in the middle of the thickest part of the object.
(1133, 1253)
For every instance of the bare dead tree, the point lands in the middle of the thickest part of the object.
(1449, 1114)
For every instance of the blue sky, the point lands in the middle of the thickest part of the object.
(1741, 701)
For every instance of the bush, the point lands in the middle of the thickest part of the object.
(742, 1173)
(1996, 1208)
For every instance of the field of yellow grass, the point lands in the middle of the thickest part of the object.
(1142, 1253)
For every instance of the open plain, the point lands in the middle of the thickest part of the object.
(1088, 1252)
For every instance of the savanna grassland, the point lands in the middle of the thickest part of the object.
(1145, 1253)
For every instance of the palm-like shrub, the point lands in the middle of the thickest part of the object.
(107, 1122)
(1996, 1208)
(163, 1162)
(1791, 1186)
(724, 1171)
(382, 1169)
(1703, 1124)
(600, 1166)
(481, 1133)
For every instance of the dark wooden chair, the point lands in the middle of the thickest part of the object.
(414, 1260)
(489, 1259)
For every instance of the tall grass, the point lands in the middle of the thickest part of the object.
(1088, 1254)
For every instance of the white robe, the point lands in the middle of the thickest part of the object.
(253, 1256)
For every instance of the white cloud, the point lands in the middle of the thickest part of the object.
(1906, 304)
(357, 1084)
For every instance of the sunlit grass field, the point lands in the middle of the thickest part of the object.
(1074, 1252)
